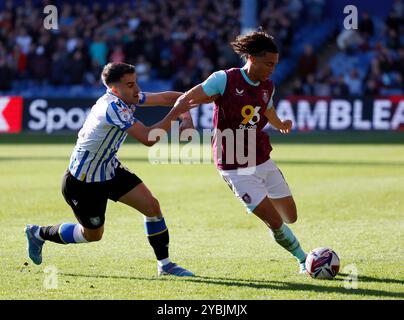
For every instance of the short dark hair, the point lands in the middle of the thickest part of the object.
(114, 71)
(255, 43)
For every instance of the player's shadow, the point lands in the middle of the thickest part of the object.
(362, 278)
(273, 284)
(317, 287)
(341, 163)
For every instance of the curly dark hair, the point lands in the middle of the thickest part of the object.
(255, 43)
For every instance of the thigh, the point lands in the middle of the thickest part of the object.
(249, 189)
(280, 194)
(286, 208)
(87, 200)
(268, 214)
(123, 182)
(275, 182)
(141, 199)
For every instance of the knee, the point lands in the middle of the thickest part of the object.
(274, 225)
(93, 235)
(153, 208)
(291, 218)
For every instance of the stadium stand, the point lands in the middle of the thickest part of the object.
(175, 44)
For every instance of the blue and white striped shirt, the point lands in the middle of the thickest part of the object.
(94, 156)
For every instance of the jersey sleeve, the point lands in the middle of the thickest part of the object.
(271, 101)
(216, 83)
(119, 116)
(142, 98)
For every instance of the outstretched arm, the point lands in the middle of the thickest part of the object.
(183, 104)
(190, 99)
(273, 119)
(165, 98)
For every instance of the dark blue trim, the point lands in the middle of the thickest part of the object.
(103, 154)
(115, 108)
(95, 155)
(143, 100)
(109, 119)
(152, 227)
(81, 164)
(105, 163)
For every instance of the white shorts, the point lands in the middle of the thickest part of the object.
(264, 180)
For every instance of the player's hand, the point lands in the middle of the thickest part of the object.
(186, 123)
(286, 126)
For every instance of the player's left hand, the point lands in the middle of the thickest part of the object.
(286, 126)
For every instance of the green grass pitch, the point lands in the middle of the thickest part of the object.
(350, 197)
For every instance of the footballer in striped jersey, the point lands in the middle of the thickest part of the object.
(95, 174)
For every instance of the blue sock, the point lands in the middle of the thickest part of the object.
(285, 238)
(71, 233)
(154, 225)
(63, 233)
(157, 234)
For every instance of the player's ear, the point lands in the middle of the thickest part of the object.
(114, 90)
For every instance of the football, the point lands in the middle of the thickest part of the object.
(322, 263)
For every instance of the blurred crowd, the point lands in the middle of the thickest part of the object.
(179, 40)
(183, 41)
(383, 74)
(165, 39)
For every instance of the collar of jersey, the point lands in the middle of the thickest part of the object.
(120, 100)
(246, 78)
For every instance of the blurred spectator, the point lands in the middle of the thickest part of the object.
(72, 41)
(297, 88)
(339, 87)
(366, 26)
(371, 88)
(99, 50)
(295, 8)
(142, 69)
(6, 75)
(182, 82)
(57, 73)
(117, 54)
(307, 64)
(394, 21)
(309, 85)
(323, 82)
(38, 64)
(76, 68)
(398, 8)
(166, 70)
(20, 61)
(315, 10)
(354, 83)
(23, 39)
(392, 39)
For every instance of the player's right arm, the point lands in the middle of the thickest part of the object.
(118, 116)
(141, 133)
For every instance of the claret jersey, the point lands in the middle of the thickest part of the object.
(240, 108)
